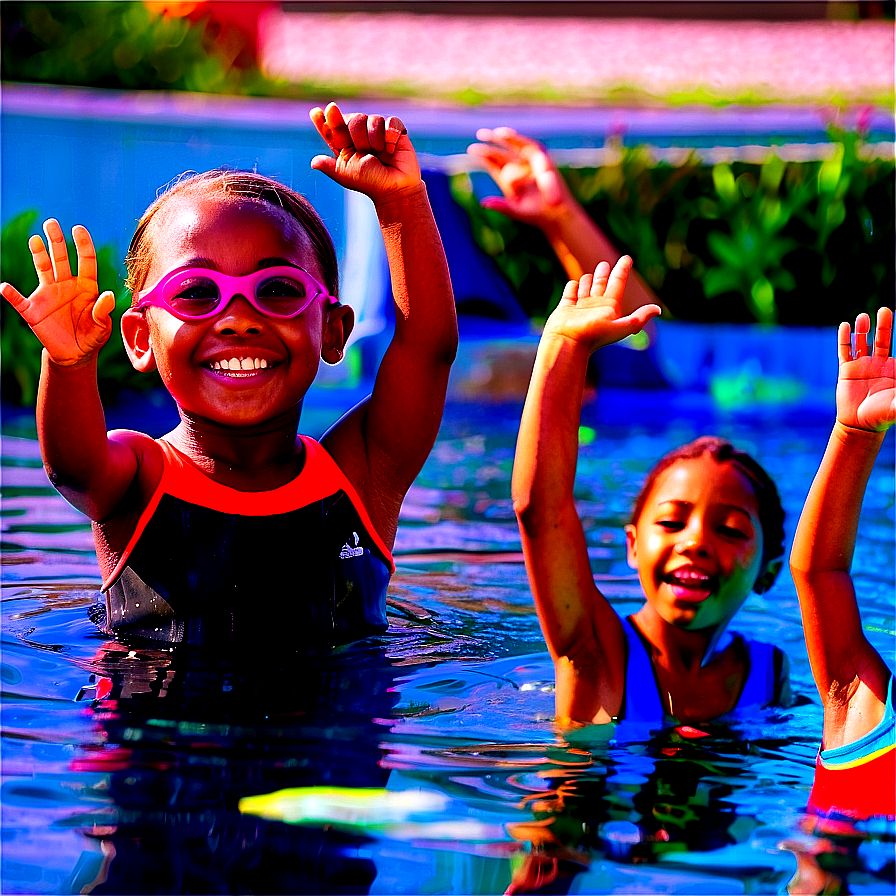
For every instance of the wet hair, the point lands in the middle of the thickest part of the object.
(771, 513)
(240, 185)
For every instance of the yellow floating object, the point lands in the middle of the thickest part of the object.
(409, 815)
(364, 806)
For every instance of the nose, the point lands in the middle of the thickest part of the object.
(693, 541)
(240, 318)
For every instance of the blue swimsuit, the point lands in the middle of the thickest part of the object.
(642, 698)
(301, 564)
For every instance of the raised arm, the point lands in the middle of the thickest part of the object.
(535, 193)
(73, 322)
(582, 631)
(395, 430)
(850, 675)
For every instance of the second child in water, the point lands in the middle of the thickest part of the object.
(707, 530)
(233, 523)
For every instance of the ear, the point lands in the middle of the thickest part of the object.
(137, 340)
(631, 544)
(337, 328)
(767, 577)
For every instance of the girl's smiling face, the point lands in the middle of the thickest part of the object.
(240, 367)
(697, 544)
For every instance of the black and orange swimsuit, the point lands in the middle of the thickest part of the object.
(207, 562)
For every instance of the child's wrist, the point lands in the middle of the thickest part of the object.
(415, 193)
(850, 431)
(566, 344)
(71, 364)
(558, 220)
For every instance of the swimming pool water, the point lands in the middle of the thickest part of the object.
(423, 761)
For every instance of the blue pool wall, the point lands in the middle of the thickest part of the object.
(99, 158)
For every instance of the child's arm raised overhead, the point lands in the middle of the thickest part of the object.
(582, 631)
(850, 675)
(535, 193)
(383, 444)
(73, 322)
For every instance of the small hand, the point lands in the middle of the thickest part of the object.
(866, 396)
(534, 191)
(590, 312)
(373, 155)
(65, 312)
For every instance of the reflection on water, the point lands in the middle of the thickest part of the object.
(423, 760)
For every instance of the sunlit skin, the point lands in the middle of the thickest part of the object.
(240, 425)
(235, 237)
(697, 545)
(534, 192)
(851, 676)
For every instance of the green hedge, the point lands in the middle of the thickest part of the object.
(124, 45)
(807, 243)
(796, 243)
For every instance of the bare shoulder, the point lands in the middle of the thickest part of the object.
(129, 446)
(375, 475)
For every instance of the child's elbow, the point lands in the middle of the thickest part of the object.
(529, 512)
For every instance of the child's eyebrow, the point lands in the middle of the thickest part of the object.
(276, 262)
(200, 261)
(684, 505)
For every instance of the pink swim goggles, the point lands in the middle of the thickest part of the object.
(200, 293)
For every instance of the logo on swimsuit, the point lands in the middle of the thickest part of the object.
(348, 552)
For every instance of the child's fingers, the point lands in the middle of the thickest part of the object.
(883, 335)
(41, 259)
(844, 343)
(12, 295)
(103, 308)
(331, 126)
(570, 291)
(586, 284)
(86, 252)
(862, 328)
(376, 133)
(641, 316)
(598, 281)
(513, 139)
(358, 134)
(395, 130)
(615, 286)
(57, 248)
(546, 176)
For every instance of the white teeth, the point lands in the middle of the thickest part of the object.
(240, 364)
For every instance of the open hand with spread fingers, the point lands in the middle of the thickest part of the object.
(590, 311)
(534, 191)
(66, 313)
(866, 397)
(372, 154)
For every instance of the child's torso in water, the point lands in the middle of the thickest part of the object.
(300, 565)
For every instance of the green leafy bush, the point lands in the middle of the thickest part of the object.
(124, 45)
(798, 243)
(20, 349)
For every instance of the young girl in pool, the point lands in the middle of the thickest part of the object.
(855, 770)
(233, 524)
(707, 530)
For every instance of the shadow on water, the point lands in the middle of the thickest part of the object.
(424, 760)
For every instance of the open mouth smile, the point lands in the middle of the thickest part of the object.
(690, 584)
